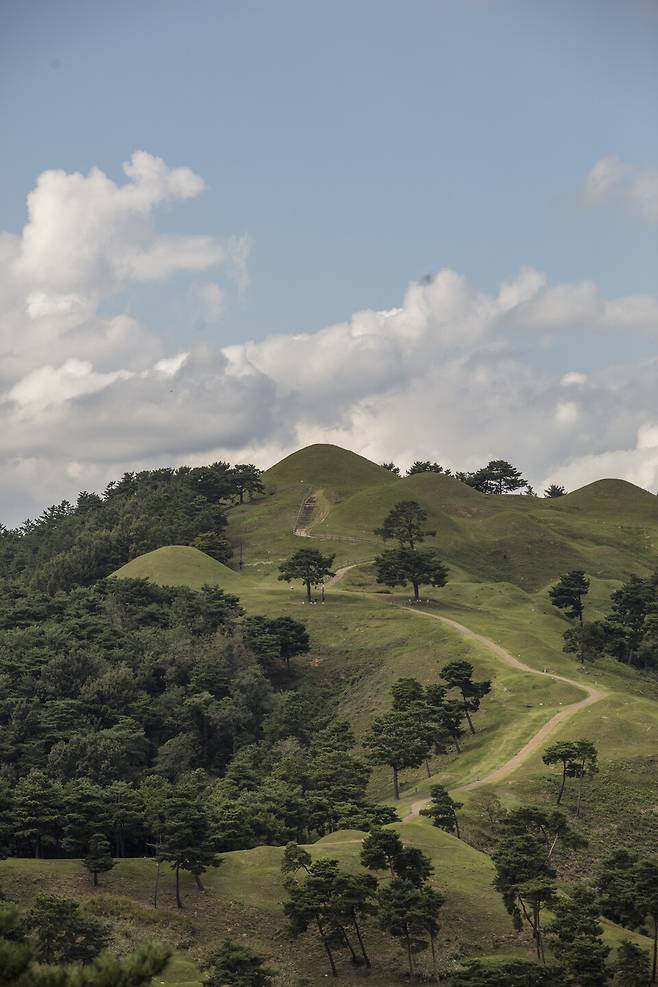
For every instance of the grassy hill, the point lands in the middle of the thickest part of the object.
(503, 553)
(181, 565)
(608, 528)
(243, 900)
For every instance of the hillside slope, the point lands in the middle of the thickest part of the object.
(181, 565)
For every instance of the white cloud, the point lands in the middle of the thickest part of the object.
(635, 187)
(566, 306)
(84, 396)
(207, 301)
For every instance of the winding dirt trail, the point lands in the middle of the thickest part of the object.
(593, 695)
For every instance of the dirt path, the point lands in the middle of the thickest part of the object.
(341, 572)
(593, 695)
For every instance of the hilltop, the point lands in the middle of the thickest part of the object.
(608, 527)
(191, 689)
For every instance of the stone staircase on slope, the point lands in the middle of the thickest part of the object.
(304, 516)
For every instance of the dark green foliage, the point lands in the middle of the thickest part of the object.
(515, 973)
(400, 740)
(279, 638)
(71, 545)
(392, 468)
(186, 841)
(420, 567)
(235, 965)
(525, 879)
(330, 901)
(586, 641)
(551, 826)
(425, 466)
(628, 893)
(568, 593)
(409, 912)
(246, 481)
(405, 523)
(575, 937)
(554, 490)
(459, 675)
(497, 477)
(309, 566)
(631, 627)
(442, 810)
(18, 961)
(99, 859)
(577, 759)
(631, 965)
(62, 933)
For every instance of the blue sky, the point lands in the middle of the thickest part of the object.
(359, 146)
(356, 147)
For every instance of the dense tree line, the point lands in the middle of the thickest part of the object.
(629, 632)
(76, 544)
(116, 698)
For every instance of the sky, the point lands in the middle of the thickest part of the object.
(418, 230)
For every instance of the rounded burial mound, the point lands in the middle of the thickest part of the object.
(180, 565)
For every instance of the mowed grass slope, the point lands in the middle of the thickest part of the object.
(181, 565)
(608, 528)
(503, 554)
(244, 901)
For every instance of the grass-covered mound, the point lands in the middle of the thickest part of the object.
(338, 471)
(181, 565)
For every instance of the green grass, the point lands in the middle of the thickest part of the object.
(244, 899)
(181, 565)
(503, 554)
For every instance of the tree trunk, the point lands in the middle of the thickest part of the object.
(410, 959)
(179, 903)
(355, 958)
(580, 789)
(396, 785)
(416, 590)
(457, 826)
(157, 884)
(434, 966)
(564, 781)
(366, 958)
(468, 718)
(199, 883)
(308, 590)
(427, 767)
(95, 876)
(330, 956)
(457, 747)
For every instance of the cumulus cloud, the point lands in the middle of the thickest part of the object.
(84, 396)
(636, 188)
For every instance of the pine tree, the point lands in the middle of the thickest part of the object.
(99, 859)
(442, 810)
(459, 675)
(235, 965)
(186, 838)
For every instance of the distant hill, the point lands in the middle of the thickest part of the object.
(610, 497)
(338, 471)
(180, 565)
(607, 528)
